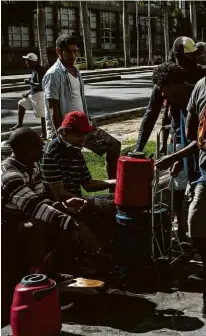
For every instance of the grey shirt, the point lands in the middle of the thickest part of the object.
(196, 105)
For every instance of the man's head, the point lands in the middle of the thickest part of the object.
(31, 60)
(171, 80)
(75, 127)
(66, 49)
(185, 52)
(26, 145)
(201, 46)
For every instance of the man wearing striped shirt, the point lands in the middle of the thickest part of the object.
(64, 92)
(64, 170)
(23, 197)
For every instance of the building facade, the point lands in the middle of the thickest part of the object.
(19, 30)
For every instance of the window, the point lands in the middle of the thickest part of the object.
(93, 26)
(67, 21)
(159, 35)
(49, 16)
(108, 30)
(49, 29)
(132, 29)
(144, 33)
(18, 36)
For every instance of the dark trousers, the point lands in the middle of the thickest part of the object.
(200, 245)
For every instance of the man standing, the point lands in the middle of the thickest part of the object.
(34, 98)
(64, 92)
(196, 130)
(196, 133)
(186, 55)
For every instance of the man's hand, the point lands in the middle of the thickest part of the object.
(88, 238)
(25, 95)
(165, 162)
(74, 205)
(111, 182)
(176, 168)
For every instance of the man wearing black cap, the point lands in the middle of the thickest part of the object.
(33, 99)
(185, 54)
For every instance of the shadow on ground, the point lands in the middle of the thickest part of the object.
(128, 313)
(115, 311)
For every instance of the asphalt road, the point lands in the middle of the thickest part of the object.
(132, 91)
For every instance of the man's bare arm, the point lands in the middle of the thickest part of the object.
(54, 109)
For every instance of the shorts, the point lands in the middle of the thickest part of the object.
(99, 141)
(34, 102)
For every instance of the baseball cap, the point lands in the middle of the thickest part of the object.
(77, 121)
(31, 57)
(186, 46)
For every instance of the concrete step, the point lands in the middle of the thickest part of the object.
(14, 87)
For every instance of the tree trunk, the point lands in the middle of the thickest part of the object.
(126, 34)
(193, 19)
(166, 30)
(86, 34)
(182, 8)
(41, 31)
(137, 29)
(150, 59)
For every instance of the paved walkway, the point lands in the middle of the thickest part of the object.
(129, 314)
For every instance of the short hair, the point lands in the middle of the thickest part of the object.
(64, 40)
(169, 73)
(201, 46)
(171, 56)
(22, 138)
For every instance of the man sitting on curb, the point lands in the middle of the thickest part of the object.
(64, 172)
(34, 99)
(64, 92)
(23, 200)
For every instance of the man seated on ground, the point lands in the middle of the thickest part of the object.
(196, 133)
(34, 98)
(64, 92)
(186, 55)
(65, 172)
(24, 200)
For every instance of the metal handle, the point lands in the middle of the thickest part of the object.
(41, 293)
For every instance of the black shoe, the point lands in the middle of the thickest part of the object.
(197, 277)
(203, 311)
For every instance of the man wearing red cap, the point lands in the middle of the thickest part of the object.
(65, 171)
(64, 92)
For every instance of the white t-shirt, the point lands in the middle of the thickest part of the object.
(76, 103)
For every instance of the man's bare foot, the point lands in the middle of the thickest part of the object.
(15, 127)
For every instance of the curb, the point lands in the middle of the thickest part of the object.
(99, 120)
(17, 78)
(23, 87)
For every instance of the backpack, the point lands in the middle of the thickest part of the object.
(201, 133)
